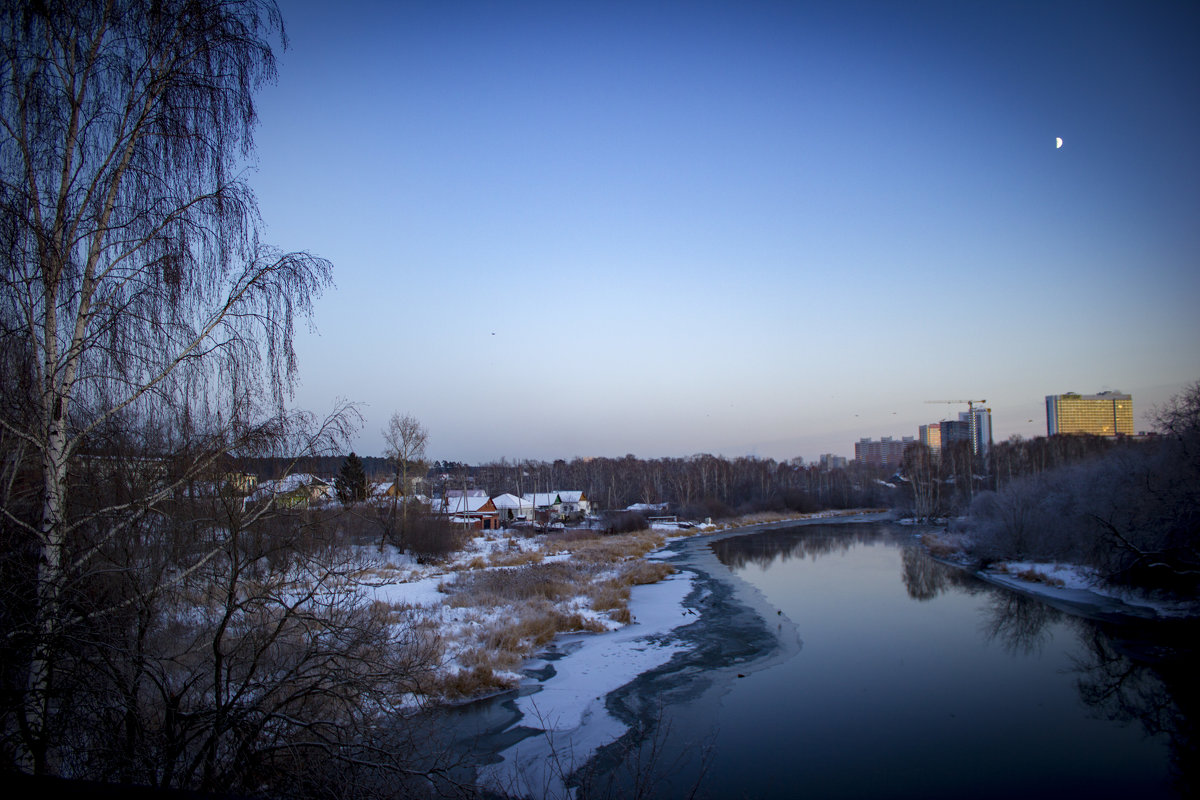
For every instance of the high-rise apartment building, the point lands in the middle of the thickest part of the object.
(973, 427)
(955, 431)
(979, 425)
(931, 436)
(829, 461)
(887, 452)
(1104, 414)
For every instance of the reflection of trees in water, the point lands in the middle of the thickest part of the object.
(1143, 674)
(809, 541)
(1018, 623)
(1126, 680)
(1124, 674)
(924, 578)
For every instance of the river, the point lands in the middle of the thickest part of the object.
(840, 660)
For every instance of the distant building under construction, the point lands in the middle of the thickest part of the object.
(1104, 414)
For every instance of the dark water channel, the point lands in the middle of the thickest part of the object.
(869, 670)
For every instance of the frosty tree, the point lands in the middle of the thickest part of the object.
(139, 313)
(406, 439)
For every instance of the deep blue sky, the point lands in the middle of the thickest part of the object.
(573, 228)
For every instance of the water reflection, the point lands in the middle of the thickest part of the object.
(784, 544)
(1145, 675)
(924, 578)
(1018, 623)
(1138, 673)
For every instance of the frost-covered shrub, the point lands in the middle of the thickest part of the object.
(1037, 517)
(1133, 514)
(430, 537)
(624, 522)
(707, 508)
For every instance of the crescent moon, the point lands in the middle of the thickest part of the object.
(1057, 142)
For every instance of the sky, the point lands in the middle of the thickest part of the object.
(573, 229)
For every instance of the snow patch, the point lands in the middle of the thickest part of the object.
(1082, 585)
(569, 707)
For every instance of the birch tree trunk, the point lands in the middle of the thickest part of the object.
(134, 289)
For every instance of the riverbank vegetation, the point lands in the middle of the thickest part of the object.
(234, 646)
(1127, 510)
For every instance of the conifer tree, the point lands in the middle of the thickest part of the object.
(351, 481)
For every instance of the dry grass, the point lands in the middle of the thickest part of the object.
(762, 518)
(537, 600)
(516, 558)
(515, 602)
(610, 595)
(605, 549)
(393, 613)
(505, 643)
(517, 585)
(478, 562)
(941, 545)
(638, 573)
(621, 615)
(1033, 576)
(472, 682)
(536, 627)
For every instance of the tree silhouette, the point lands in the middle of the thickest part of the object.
(351, 481)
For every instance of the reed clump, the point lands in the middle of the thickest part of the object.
(941, 545)
(1034, 576)
(605, 549)
(515, 558)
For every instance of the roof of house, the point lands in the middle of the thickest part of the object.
(509, 501)
(463, 505)
(542, 499)
(470, 493)
(290, 483)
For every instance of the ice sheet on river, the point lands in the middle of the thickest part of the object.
(569, 705)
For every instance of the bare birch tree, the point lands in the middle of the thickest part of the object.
(135, 295)
(921, 468)
(406, 438)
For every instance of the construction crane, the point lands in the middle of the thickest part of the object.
(970, 403)
(978, 446)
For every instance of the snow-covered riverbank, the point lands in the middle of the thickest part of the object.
(570, 686)
(563, 704)
(1080, 590)
(1072, 588)
(585, 692)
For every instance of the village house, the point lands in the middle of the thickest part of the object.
(574, 503)
(239, 482)
(511, 508)
(300, 490)
(562, 504)
(478, 511)
(380, 490)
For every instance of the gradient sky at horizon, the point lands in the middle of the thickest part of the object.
(580, 228)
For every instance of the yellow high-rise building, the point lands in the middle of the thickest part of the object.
(1104, 414)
